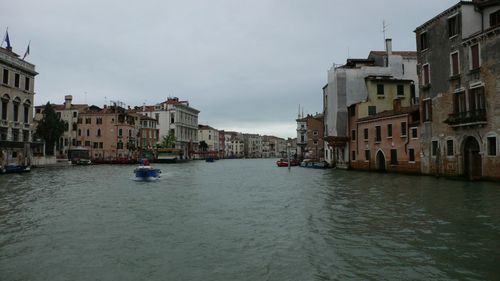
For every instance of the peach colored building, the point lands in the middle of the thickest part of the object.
(384, 135)
(110, 133)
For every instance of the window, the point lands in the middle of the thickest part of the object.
(120, 132)
(389, 130)
(378, 135)
(98, 120)
(119, 145)
(98, 132)
(353, 135)
(434, 148)
(27, 83)
(74, 127)
(172, 117)
(96, 145)
(380, 89)
(394, 156)
(411, 154)
(414, 133)
(4, 109)
(426, 75)
(401, 90)
(79, 121)
(453, 26)
(459, 102)
(427, 108)
(26, 113)
(474, 57)
(366, 133)
(88, 133)
(5, 76)
(449, 148)
(495, 18)
(455, 70)
(75, 114)
(403, 129)
(100, 145)
(492, 146)
(88, 120)
(79, 132)
(315, 133)
(424, 44)
(372, 110)
(16, 111)
(353, 157)
(157, 116)
(87, 143)
(352, 110)
(17, 77)
(476, 100)
(367, 155)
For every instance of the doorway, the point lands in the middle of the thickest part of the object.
(380, 161)
(472, 159)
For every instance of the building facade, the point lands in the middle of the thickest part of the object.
(346, 86)
(253, 145)
(109, 133)
(176, 117)
(384, 129)
(68, 113)
(459, 72)
(148, 133)
(210, 136)
(16, 112)
(234, 145)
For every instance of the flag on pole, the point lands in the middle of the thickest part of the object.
(27, 50)
(6, 39)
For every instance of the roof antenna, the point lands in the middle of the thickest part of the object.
(384, 29)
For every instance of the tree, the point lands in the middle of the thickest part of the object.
(50, 128)
(169, 141)
(203, 146)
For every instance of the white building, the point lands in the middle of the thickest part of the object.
(253, 145)
(69, 113)
(210, 136)
(234, 145)
(178, 118)
(16, 93)
(346, 86)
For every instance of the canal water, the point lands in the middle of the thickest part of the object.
(245, 220)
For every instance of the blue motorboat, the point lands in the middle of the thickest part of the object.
(8, 169)
(145, 172)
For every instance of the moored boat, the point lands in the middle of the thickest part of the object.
(308, 163)
(9, 169)
(145, 172)
(284, 162)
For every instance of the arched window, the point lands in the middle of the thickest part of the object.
(15, 107)
(27, 106)
(98, 132)
(5, 102)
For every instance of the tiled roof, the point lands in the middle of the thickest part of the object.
(389, 113)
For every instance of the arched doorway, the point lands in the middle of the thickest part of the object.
(380, 161)
(472, 159)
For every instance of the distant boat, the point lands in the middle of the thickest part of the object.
(210, 159)
(283, 162)
(145, 172)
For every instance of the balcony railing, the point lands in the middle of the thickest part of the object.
(467, 118)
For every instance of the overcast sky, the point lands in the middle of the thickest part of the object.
(246, 65)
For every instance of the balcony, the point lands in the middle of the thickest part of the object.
(4, 123)
(467, 118)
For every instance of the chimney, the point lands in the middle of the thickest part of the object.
(388, 46)
(396, 104)
(67, 101)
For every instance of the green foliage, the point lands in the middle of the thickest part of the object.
(168, 141)
(203, 146)
(50, 128)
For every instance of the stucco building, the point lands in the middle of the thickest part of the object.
(109, 133)
(210, 136)
(346, 86)
(68, 113)
(17, 90)
(176, 117)
(459, 72)
(234, 145)
(384, 129)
